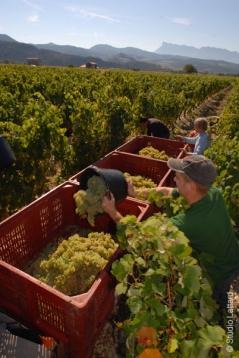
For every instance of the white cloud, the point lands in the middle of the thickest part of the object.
(34, 6)
(33, 18)
(181, 20)
(70, 8)
(89, 15)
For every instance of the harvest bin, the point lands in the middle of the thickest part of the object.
(77, 321)
(172, 148)
(156, 170)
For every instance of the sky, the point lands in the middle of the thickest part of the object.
(144, 24)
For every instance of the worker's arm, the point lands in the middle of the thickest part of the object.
(159, 189)
(108, 205)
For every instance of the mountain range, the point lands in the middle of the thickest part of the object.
(169, 57)
(205, 53)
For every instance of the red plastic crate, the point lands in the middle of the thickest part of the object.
(77, 321)
(172, 148)
(156, 170)
(134, 165)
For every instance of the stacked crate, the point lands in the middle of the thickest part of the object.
(173, 149)
(76, 321)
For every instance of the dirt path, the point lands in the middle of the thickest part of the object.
(211, 108)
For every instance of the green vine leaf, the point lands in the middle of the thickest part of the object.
(121, 288)
(120, 269)
(191, 278)
(210, 336)
(189, 348)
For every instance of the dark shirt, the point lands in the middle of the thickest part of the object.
(157, 128)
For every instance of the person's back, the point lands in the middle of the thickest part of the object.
(157, 128)
(208, 227)
(200, 141)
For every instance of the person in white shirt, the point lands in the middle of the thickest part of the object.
(200, 141)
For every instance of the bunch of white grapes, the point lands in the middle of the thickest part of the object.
(142, 183)
(73, 265)
(151, 152)
(89, 201)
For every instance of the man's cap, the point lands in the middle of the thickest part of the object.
(197, 167)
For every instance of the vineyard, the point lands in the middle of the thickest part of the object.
(39, 106)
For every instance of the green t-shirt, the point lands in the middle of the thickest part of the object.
(208, 227)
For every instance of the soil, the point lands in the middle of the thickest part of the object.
(212, 108)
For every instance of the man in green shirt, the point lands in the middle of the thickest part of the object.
(206, 223)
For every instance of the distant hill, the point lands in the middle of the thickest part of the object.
(205, 53)
(107, 56)
(67, 49)
(17, 52)
(151, 60)
(103, 51)
(136, 53)
(6, 38)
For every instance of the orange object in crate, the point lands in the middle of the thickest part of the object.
(76, 321)
(48, 343)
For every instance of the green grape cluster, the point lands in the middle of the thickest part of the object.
(72, 265)
(140, 181)
(151, 152)
(89, 201)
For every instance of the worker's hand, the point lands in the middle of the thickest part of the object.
(165, 190)
(192, 133)
(131, 191)
(108, 204)
(180, 137)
